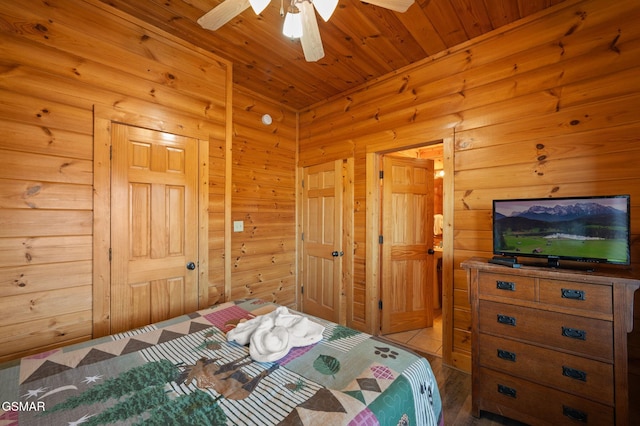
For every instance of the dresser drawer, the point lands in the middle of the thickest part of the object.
(505, 285)
(590, 297)
(514, 396)
(581, 335)
(579, 376)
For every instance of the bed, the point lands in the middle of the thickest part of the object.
(183, 371)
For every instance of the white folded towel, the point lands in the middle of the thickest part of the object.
(272, 336)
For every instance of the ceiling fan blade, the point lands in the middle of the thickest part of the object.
(310, 40)
(397, 5)
(222, 13)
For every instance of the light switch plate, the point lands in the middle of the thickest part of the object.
(238, 226)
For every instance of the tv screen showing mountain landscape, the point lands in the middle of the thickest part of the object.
(595, 229)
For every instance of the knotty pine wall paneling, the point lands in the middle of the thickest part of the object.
(58, 60)
(263, 254)
(546, 107)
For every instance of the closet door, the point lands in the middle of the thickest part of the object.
(154, 226)
(322, 240)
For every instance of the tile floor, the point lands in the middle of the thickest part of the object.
(427, 340)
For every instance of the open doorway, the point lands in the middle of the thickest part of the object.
(429, 339)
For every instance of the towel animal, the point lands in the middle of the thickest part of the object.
(272, 335)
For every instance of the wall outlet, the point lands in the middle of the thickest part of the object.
(238, 226)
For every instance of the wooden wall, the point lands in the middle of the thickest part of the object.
(545, 108)
(56, 62)
(262, 260)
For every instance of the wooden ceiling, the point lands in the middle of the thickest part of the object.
(362, 42)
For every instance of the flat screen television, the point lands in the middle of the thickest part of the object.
(582, 229)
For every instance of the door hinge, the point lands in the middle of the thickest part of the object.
(303, 183)
(301, 289)
(109, 254)
(110, 152)
(381, 174)
(380, 239)
(380, 304)
(302, 236)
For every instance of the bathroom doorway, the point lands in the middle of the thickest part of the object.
(429, 339)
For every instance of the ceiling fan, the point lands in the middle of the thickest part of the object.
(300, 19)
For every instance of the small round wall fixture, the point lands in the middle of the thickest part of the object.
(267, 120)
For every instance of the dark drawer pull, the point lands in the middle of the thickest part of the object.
(506, 355)
(506, 390)
(568, 293)
(574, 333)
(574, 414)
(506, 285)
(574, 374)
(505, 319)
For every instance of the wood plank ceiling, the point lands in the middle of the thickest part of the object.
(362, 42)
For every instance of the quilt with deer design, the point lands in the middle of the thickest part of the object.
(184, 372)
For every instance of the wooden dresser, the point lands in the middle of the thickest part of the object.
(549, 346)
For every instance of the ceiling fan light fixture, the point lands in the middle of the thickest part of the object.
(325, 8)
(259, 5)
(292, 23)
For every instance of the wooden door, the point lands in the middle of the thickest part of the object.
(407, 266)
(154, 226)
(322, 242)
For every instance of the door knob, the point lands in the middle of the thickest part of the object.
(431, 251)
(191, 266)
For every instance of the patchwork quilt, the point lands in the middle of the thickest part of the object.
(184, 372)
